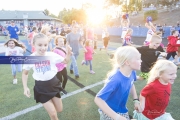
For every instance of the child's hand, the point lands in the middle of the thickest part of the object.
(24, 50)
(69, 49)
(137, 107)
(164, 54)
(27, 92)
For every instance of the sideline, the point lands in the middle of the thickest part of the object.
(14, 115)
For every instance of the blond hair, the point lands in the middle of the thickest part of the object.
(155, 37)
(39, 36)
(44, 29)
(122, 55)
(159, 67)
(129, 30)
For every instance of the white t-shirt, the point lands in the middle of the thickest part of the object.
(45, 70)
(124, 31)
(103, 34)
(149, 35)
(16, 51)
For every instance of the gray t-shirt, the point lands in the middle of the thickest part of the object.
(74, 39)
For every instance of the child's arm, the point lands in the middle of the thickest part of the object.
(173, 42)
(135, 98)
(7, 52)
(18, 31)
(128, 42)
(128, 22)
(68, 55)
(24, 81)
(81, 42)
(107, 110)
(152, 26)
(22, 50)
(94, 52)
(142, 102)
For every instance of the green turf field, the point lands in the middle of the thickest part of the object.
(80, 106)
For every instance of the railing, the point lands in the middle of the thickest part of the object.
(137, 31)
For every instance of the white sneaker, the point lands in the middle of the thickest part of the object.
(15, 81)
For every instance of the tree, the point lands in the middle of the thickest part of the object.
(74, 14)
(114, 2)
(46, 11)
(126, 7)
(52, 15)
(62, 13)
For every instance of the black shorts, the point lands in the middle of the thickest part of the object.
(46, 90)
(173, 54)
(106, 41)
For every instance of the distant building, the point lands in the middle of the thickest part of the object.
(29, 18)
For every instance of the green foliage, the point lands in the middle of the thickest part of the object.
(74, 14)
(152, 13)
(52, 15)
(47, 12)
(114, 2)
(134, 5)
(167, 2)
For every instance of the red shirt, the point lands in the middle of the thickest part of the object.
(157, 98)
(127, 38)
(172, 44)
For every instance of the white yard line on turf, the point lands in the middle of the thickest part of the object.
(14, 115)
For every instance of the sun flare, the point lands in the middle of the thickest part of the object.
(95, 15)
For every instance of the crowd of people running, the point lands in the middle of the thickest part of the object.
(152, 59)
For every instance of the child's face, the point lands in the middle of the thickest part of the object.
(11, 44)
(75, 28)
(90, 43)
(155, 44)
(41, 46)
(176, 33)
(60, 42)
(169, 75)
(135, 62)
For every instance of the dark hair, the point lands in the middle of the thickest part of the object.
(34, 28)
(73, 22)
(16, 43)
(56, 39)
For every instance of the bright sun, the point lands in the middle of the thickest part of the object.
(95, 15)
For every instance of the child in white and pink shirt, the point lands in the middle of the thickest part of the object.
(62, 71)
(88, 54)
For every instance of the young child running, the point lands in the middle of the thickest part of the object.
(47, 86)
(172, 46)
(88, 54)
(14, 49)
(30, 38)
(62, 71)
(155, 96)
(105, 38)
(127, 38)
(112, 98)
(149, 56)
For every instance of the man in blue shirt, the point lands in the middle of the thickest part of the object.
(13, 31)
